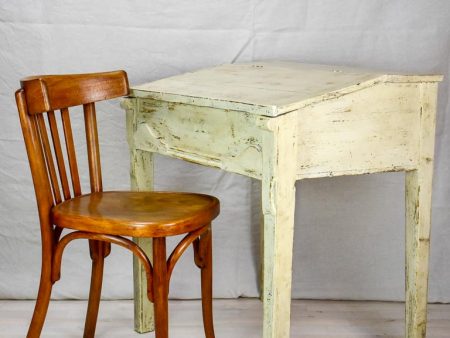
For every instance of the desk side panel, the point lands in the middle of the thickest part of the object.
(225, 139)
(372, 130)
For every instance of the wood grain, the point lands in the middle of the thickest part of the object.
(418, 218)
(141, 177)
(138, 214)
(100, 217)
(278, 204)
(52, 92)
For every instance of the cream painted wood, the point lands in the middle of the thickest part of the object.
(278, 204)
(141, 175)
(187, 132)
(266, 88)
(371, 130)
(280, 122)
(418, 217)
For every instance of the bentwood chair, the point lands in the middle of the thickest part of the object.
(103, 217)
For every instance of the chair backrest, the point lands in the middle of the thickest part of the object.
(43, 95)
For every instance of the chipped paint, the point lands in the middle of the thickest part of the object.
(418, 217)
(141, 176)
(380, 123)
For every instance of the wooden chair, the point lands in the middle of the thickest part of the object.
(103, 217)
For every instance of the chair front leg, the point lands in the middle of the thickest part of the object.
(43, 298)
(160, 288)
(205, 252)
(98, 250)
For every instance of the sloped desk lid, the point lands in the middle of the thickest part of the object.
(266, 88)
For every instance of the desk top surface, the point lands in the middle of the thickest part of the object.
(267, 88)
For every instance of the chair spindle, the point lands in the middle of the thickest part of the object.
(49, 158)
(58, 154)
(93, 150)
(70, 148)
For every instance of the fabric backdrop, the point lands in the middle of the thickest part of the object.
(349, 231)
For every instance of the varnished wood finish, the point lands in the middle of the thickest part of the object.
(123, 242)
(160, 288)
(101, 217)
(71, 155)
(51, 92)
(49, 159)
(59, 154)
(137, 214)
(95, 172)
(45, 202)
(98, 251)
(181, 248)
(205, 252)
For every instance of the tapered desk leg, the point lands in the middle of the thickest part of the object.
(278, 202)
(142, 180)
(418, 203)
(418, 219)
(141, 175)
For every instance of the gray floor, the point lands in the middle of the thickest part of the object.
(233, 319)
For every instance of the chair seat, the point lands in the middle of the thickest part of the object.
(137, 214)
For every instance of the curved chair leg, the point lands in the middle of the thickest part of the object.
(98, 250)
(42, 301)
(160, 288)
(205, 248)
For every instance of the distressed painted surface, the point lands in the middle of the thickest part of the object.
(229, 140)
(266, 88)
(278, 206)
(370, 130)
(141, 175)
(418, 217)
(280, 122)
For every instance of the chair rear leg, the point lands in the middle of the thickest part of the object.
(42, 301)
(160, 288)
(98, 250)
(205, 248)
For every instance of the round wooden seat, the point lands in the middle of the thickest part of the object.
(137, 214)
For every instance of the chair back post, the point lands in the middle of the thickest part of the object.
(38, 168)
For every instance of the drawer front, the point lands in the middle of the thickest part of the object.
(226, 139)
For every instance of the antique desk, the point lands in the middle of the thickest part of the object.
(280, 122)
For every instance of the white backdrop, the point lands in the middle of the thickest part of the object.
(349, 231)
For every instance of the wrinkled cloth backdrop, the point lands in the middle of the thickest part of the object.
(349, 231)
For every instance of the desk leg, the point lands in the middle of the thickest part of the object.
(142, 180)
(418, 206)
(418, 220)
(278, 244)
(278, 204)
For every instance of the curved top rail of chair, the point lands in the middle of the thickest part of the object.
(51, 92)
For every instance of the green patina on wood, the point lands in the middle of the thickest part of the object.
(141, 177)
(280, 122)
